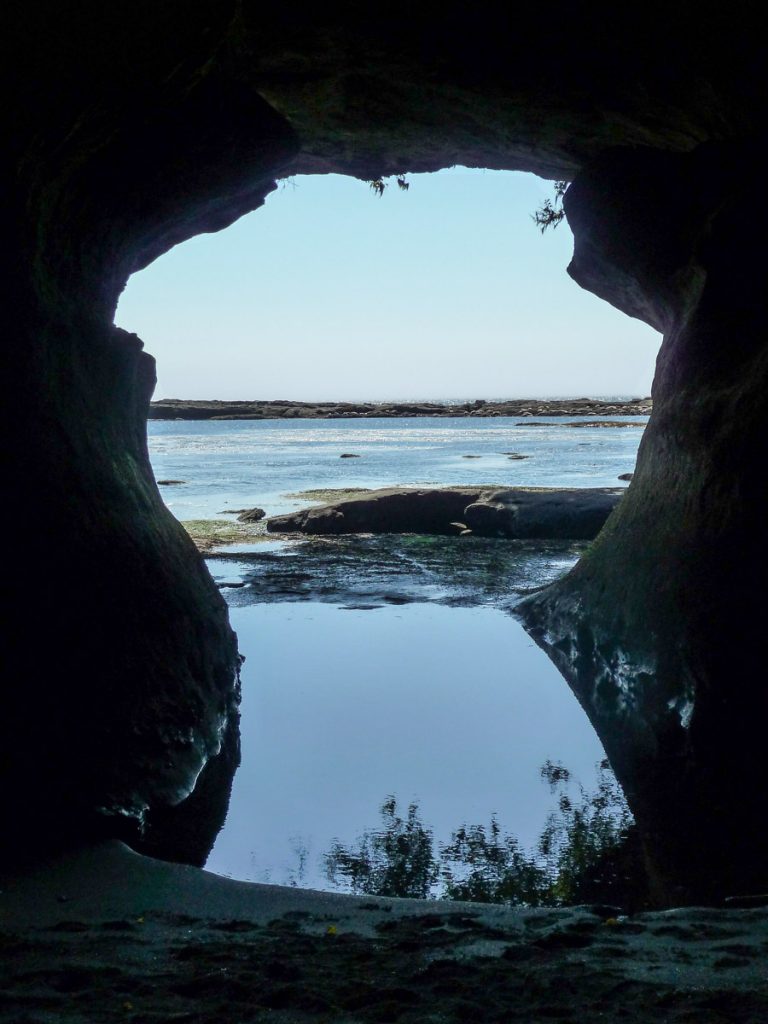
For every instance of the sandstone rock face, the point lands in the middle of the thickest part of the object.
(658, 629)
(121, 680)
(133, 133)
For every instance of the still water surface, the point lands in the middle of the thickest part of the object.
(454, 707)
(425, 687)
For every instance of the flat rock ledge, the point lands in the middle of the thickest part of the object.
(104, 934)
(515, 513)
(193, 409)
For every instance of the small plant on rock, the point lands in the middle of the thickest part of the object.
(378, 185)
(551, 211)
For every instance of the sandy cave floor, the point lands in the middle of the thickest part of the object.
(106, 935)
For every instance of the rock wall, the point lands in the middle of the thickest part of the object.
(121, 685)
(135, 126)
(658, 629)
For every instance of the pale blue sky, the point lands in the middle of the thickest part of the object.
(330, 292)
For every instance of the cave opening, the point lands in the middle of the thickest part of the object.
(132, 135)
(133, 128)
(442, 294)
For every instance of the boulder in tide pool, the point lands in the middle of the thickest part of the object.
(544, 514)
(251, 515)
(517, 513)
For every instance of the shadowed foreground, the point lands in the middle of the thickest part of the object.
(108, 935)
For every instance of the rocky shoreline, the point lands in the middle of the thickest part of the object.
(192, 409)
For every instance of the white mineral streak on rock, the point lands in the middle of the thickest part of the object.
(206, 750)
(683, 708)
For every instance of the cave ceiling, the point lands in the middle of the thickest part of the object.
(140, 125)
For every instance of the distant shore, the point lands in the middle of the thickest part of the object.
(194, 409)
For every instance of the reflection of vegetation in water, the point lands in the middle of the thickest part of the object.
(589, 845)
(399, 860)
(586, 852)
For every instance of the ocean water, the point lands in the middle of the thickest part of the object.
(389, 666)
(241, 463)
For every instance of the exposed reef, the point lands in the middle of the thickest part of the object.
(374, 571)
(520, 513)
(208, 534)
(592, 424)
(182, 409)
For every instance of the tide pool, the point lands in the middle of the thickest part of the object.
(386, 666)
(455, 708)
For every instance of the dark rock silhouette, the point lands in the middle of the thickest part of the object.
(251, 515)
(517, 513)
(524, 514)
(391, 510)
(658, 629)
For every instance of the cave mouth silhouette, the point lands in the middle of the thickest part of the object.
(115, 160)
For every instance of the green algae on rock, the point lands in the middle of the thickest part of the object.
(211, 533)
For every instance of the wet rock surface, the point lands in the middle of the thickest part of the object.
(250, 515)
(368, 572)
(516, 513)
